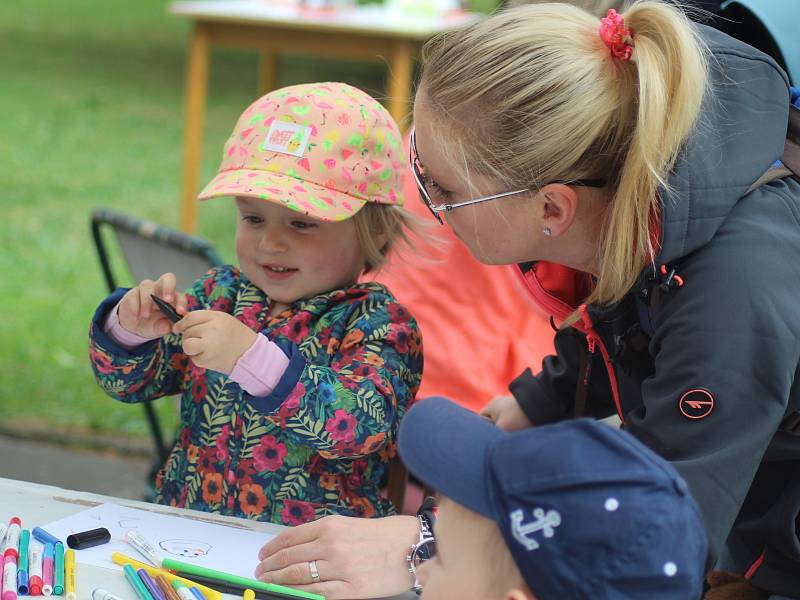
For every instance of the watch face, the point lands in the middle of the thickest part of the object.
(425, 551)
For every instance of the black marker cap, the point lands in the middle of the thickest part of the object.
(88, 539)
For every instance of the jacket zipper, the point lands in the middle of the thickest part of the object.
(561, 310)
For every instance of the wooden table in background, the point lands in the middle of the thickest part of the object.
(368, 32)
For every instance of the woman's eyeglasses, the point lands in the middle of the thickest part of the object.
(417, 170)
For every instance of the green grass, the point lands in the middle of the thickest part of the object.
(91, 114)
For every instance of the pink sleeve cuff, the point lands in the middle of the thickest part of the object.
(259, 370)
(119, 334)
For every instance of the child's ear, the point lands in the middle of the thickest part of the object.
(520, 594)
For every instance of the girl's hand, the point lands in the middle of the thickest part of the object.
(138, 313)
(504, 411)
(356, 558)
(215, 340)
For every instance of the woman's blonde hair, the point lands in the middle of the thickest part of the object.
(533, 95)
(379, 228)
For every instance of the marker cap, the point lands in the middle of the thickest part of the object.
(12, 552)
(22, 583)
(89, 539)
(44, 537)
(35, 586)
(15, 521)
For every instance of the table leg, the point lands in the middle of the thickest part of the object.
(196, 89)
(401, 65)
(267, 71)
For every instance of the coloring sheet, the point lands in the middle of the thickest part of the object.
(213, 546)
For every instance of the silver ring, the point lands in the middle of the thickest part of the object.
(312, 566)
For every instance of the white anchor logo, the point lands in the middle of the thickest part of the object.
(545, 522)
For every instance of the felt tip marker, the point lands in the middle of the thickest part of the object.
(144, 547)
(101, 594)
(11, 544)
(151, 585)
(167, 309)
(170, 593)
(69, 575)
(22, 565)
(136, 583)
(120, 559)
(44, 537)
(35, 582)
(47, 569)
(184, 593)
(9, 578)
(58, 574)
(192, 571)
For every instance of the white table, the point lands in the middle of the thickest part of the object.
(38, 504)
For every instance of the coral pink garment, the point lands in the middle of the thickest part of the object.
(480, 328)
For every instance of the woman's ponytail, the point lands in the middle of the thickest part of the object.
(667, 93)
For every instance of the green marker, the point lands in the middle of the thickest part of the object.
(186, 570)
(136, 583)
(22, 567)
(58, 575)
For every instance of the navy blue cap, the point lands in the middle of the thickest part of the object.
(586, 510)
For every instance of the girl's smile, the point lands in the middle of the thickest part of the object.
(278, 272)
(290, 256)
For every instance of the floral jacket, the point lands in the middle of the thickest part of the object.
(319, 444)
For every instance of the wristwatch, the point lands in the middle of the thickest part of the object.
(425, 548)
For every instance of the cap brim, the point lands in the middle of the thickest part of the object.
(299, 195)
(446, 446)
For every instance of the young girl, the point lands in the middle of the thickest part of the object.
(293, 376)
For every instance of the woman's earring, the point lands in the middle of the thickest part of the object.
(547, 231)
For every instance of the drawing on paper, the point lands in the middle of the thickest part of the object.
(185, 548)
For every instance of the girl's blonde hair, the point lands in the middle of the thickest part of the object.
(533, 95)
(387, 223)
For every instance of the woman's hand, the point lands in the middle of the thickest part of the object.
(139, 314)
(214, 340)
(356, 558)
(504, 411)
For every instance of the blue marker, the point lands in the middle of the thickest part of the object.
(44, 537)
(197, 593)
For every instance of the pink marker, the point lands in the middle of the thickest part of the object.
(9, 577)
(11, 545)
(47, 570)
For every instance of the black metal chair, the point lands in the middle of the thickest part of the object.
(148, 250)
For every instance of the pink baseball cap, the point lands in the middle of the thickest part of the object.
(322, 149)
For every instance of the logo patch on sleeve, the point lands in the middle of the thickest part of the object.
(696, 404)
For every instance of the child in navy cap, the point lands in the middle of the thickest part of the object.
(577, 510)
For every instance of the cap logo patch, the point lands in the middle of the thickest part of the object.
(696, 404)
(287, 138)
(545, 522)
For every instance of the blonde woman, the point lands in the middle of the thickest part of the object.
(619, 162)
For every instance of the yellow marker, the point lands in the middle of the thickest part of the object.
(121, 559)
(249, 595)
(69, 575)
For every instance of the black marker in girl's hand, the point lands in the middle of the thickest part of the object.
(166, 308)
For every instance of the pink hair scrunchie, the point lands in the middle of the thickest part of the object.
(616, 36)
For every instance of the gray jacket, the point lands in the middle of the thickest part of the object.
(700, 359)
